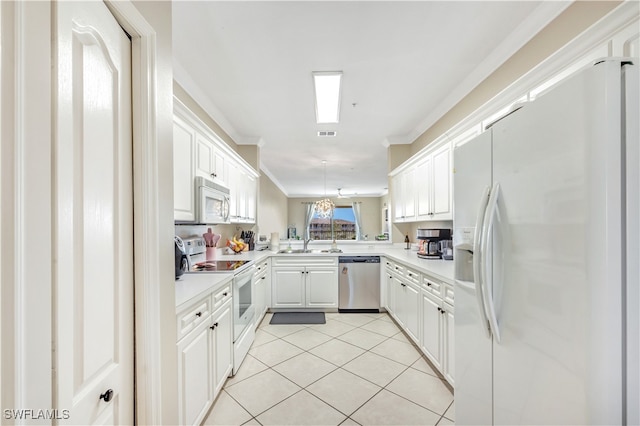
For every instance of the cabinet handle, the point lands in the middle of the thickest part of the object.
(107, 396)
(198, 314)
(213, 327)
(428, 284)
(439, 310)
(263, 278)
(410, 274)
(403, 284)
(215, 324)
(442, 311)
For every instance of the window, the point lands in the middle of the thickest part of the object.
(341, 226)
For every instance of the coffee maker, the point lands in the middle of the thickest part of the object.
(435, 243)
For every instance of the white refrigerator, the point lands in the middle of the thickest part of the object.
(546, 239)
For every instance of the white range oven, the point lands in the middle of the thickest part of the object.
(243, 315)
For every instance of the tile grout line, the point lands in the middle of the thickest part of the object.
(337, 367)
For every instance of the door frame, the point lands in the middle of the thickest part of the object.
(152, 386)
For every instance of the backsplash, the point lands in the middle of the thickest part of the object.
(227, 231)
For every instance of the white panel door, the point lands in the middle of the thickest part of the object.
(93, 243)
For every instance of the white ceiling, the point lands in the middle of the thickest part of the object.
(249, 64)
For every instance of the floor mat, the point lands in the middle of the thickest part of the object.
(298, 318)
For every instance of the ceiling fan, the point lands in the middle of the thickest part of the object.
(340, 195)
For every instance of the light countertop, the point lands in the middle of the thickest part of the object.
(191, 285)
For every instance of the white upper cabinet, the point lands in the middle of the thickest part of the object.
(197, 151)
(243, 189)
(422, 191)
(210, 160)
(404, 200)
(184, 145)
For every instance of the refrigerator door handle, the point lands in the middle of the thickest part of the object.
(487, 227)
(477, 260)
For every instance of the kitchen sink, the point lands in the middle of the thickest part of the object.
(302, 251)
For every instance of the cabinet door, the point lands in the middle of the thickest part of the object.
(398, 198)
(288, 287)
(260, 296)
(412, 311)
(449, 344)
(391, 295)
(232, 181)
(409, 184)
(219, 166)
(442, 183)
(431, 329)
(222, 346)
(401, 308)
(251, 191)
(195, 375)
(184, 142)
(204, 157)
(424, 173)
(322, 287)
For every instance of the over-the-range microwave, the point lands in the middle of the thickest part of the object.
(212, 202)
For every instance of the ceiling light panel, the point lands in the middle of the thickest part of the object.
(327, 90)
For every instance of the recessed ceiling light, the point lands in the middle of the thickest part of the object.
(327, 89)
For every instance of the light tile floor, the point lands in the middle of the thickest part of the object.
(357, 369)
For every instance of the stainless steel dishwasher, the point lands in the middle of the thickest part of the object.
(359, 287)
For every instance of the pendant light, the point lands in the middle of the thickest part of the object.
(324, 208)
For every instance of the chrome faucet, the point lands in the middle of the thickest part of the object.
(306, 243)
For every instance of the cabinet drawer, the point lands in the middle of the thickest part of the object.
(412, 276)
(447, 293)
(221, 295)
(431, 285)
(398, 269)
(302, 260)
(195, 314)
(262, 267)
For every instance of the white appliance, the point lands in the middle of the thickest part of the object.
(243, 315)
(546, 258)
(212, 202)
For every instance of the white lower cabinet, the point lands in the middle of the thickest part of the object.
(288, 287)
(261, 289)
(431, 339)
(195, 390)
(449, 343)
(437, 338)
(408, 307)
(423, 307)
(222, 345)
(321, 287)
(304, 282)
(205, 355)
